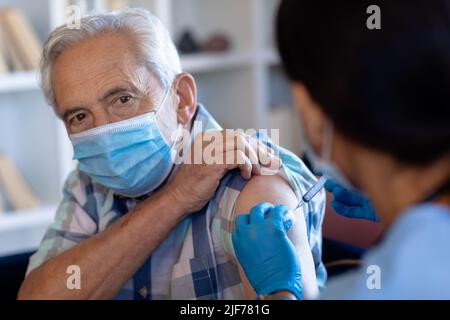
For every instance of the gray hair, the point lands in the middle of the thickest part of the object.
(152, 38)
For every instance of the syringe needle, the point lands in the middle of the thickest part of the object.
(308, 196)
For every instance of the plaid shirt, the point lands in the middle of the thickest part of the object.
(196, 260)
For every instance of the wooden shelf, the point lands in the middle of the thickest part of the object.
(19, 81)
(195, 63)
(271, 57)
(206, 62)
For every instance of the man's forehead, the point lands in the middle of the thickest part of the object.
(95, 56)
(94, 66)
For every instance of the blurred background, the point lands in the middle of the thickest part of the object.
(228, 45)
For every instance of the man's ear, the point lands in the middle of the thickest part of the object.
(186, 91)
(313, 118)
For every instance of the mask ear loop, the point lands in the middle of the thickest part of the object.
(163, 101)
(173, 139)
(179, 133)
(176, 143)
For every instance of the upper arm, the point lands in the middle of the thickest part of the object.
(276, 190)
(71, 225)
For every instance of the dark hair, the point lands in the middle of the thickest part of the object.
(388, 88)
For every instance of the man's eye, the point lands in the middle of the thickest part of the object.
(123, 103)
(125, 99)
(78, 118)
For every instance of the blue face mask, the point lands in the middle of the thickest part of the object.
(324, 164)
(130, 157)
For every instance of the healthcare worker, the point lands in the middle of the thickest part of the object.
(374, 103)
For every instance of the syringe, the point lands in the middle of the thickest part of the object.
(311, 193)
(308, 196)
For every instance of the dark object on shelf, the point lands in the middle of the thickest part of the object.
(187, 43)
(217, 43)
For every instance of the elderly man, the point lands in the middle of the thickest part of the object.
(136, 224)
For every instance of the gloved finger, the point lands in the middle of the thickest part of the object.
(278, 213)
(258, 212)
(342, 209)
(235, 240)
(365, 212)
(330, 184)
(241, 221)
(339, 192)
(354, 212)
(287, 224)
(347, 197)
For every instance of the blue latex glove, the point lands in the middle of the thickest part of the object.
(265, 252)
(350, 204)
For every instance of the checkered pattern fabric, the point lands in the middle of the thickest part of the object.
(196, 260)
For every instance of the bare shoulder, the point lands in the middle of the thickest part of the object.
(276, 190)
(269, 188)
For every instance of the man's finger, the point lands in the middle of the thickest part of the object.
(237, 159)
(261, 157)
(238, 141)
(270, 163)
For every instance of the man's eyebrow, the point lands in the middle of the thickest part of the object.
(108, 94)
(114, 91)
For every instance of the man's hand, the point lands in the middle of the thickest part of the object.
(199, 176)
(265, 252)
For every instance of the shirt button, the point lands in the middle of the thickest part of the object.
(143, 292)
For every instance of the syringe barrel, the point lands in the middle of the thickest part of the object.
(314, 189)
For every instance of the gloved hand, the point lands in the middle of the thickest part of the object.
(265, 252)
(350, 204)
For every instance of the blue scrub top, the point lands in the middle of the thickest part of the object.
(412, 261)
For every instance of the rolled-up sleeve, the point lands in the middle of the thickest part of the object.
(72, 223)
